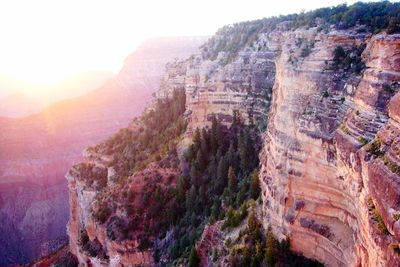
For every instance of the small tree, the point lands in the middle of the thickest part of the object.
(194, 260)
(255, 185)
(232, 180)
(338, 55)
(271, 251)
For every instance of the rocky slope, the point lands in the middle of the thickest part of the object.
(330, 161)
(36, 151)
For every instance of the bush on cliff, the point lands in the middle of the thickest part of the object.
(348, 60)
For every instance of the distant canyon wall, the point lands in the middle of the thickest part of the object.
(36, 151)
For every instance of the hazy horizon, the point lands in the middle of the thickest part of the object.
(70, 38)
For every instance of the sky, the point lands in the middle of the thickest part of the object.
(47, 41)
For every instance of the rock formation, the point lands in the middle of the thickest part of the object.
(321, 185)
(330, 162)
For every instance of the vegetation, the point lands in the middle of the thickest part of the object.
(374, 17)
(253, 248)
(393, 167)
(344, 129)
(221, 172)
(325, 94)
(349, 60)
(374, 148)
(102, 212)
(155, 138)
(234, 218)
(93, 176)
(363, 141)
(151, 139)
(193, 258)
(378, 218)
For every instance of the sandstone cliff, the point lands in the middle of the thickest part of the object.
(322, 186)
(329, 163)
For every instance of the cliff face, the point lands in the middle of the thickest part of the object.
(320, 185)
(218, 88)
(104, 245)
(330, 158)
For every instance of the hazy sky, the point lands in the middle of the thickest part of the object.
(47, 41)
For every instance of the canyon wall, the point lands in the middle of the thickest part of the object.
(321, 184)
(330, 159)
(219, 88)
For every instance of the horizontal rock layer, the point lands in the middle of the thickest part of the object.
(320, 186)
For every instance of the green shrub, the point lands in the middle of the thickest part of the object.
(374, 147)
(363, 141)
(393, 167)
(378, 218)
(344, 129)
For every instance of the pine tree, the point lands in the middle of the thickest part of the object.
(231, 156)
(252, 221)
(201, 161)
(271, 251)
(205, 142)
(194, 175)
(196, 140)
(212, 169)
(214, 135)
(181, 189)
(202, 197)
(255, 185)
(215, 210)
(194, 260)
(236, 118)
(244, 158)
(191, 199)
(232, 180)
(222, 172)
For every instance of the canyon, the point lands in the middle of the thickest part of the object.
(326, 101)
(36, 151)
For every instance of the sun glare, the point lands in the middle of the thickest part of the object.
(46, 41)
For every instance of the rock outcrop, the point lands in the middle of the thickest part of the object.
(220, 88)
(321, 186)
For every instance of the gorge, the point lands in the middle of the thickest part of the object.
(277, 143)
